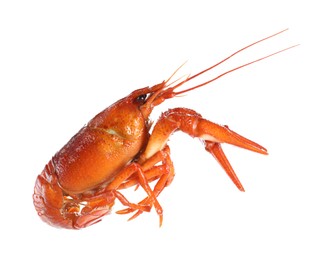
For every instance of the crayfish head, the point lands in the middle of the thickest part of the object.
(147, 98)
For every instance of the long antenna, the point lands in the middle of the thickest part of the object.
(222, 61)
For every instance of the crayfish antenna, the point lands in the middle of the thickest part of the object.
(222, 61)
(174, 74)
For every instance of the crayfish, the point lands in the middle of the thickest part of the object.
(116, 150)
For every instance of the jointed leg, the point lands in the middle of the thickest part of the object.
(125, 174)
(151, 170)
(163, 173)
(94, 207)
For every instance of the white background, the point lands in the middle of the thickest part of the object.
(61, 62)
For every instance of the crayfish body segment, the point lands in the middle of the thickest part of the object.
(115, 150)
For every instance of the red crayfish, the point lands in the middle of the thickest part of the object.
(115, 150)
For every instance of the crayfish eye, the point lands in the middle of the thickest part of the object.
(141, 99)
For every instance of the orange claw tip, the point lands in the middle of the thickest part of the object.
(261, 150)
(235, 180)
(240, 187)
